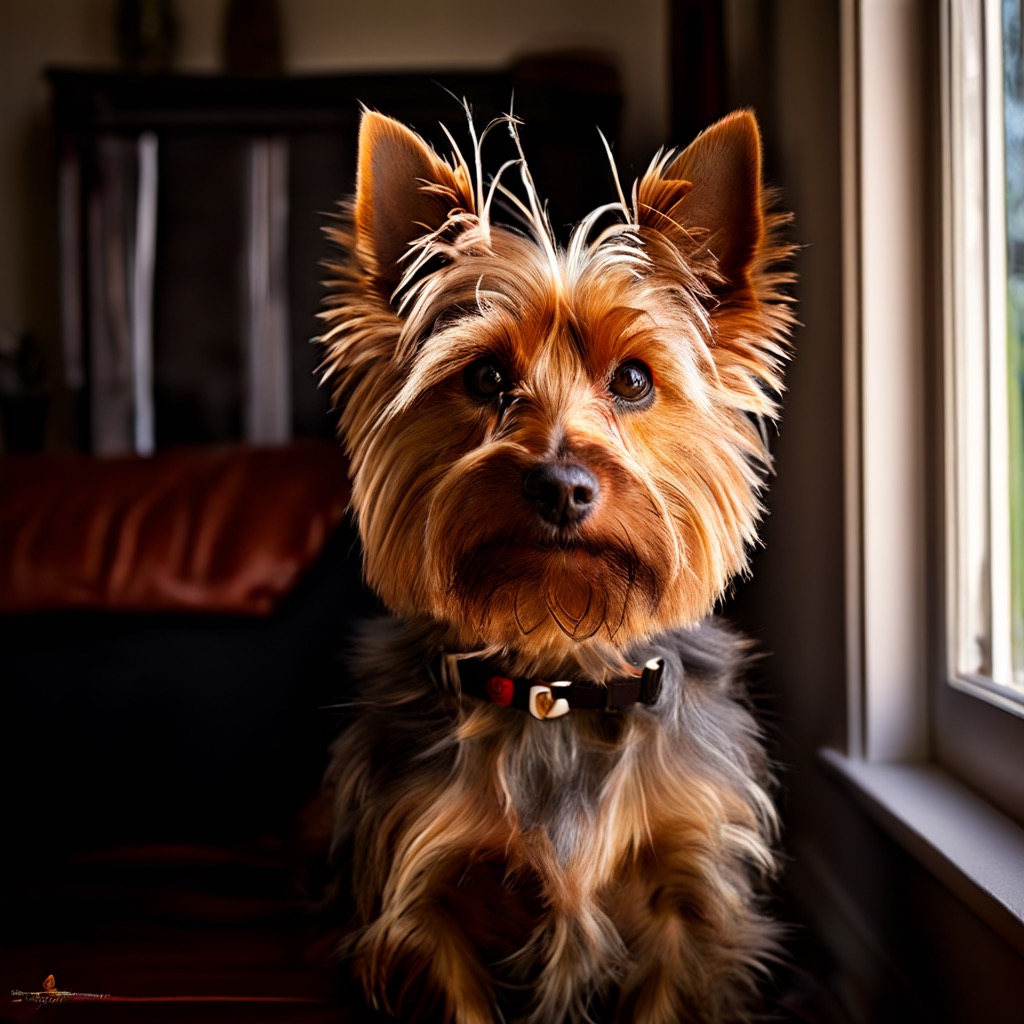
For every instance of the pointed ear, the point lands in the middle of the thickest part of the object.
(403, 191)
(712, 191)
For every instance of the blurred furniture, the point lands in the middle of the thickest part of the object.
(191, 216)
(171, 641)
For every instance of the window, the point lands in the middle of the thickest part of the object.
(978, 701)
(934, 709)
(1013, 93)
(985, 319)
(935, 737)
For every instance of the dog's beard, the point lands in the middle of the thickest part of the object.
(504, 576)
(583, 591)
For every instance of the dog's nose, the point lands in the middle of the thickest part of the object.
(564, 493)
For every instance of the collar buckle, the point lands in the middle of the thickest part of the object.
(543, 703)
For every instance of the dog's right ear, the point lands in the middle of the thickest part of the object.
(712, 192)
(403, 192)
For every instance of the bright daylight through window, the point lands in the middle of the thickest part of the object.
(1013, 77)
(985, 351)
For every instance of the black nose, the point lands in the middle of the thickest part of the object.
(564, 493)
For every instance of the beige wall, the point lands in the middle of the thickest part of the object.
(319, 35)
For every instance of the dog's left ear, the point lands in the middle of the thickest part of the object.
(403, 191)
(709, 198)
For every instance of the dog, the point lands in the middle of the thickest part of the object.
(553, 804)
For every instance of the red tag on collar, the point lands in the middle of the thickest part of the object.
(501, 690)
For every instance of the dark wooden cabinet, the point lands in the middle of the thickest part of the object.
(191, 213)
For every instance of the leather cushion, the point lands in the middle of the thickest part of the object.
(226, 530)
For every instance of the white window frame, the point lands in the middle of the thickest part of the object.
(941, 769)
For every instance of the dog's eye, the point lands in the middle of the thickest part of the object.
(631, 382)
(487, 378)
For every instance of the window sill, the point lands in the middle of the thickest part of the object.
(976, 852)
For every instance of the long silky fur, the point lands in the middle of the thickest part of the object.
(601, 867)
(644, 837)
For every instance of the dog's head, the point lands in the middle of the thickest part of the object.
(558, 450)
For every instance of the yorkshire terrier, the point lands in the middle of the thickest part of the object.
(553, 804)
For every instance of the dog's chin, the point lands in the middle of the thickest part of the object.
(555, 594)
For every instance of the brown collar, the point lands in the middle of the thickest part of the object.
(480, 677)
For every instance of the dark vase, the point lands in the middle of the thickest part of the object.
(147, 34)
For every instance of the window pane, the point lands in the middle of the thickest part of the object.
(1013, 105)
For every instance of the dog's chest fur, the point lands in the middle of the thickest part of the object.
(510, 819)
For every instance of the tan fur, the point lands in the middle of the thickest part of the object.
(620, 853)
